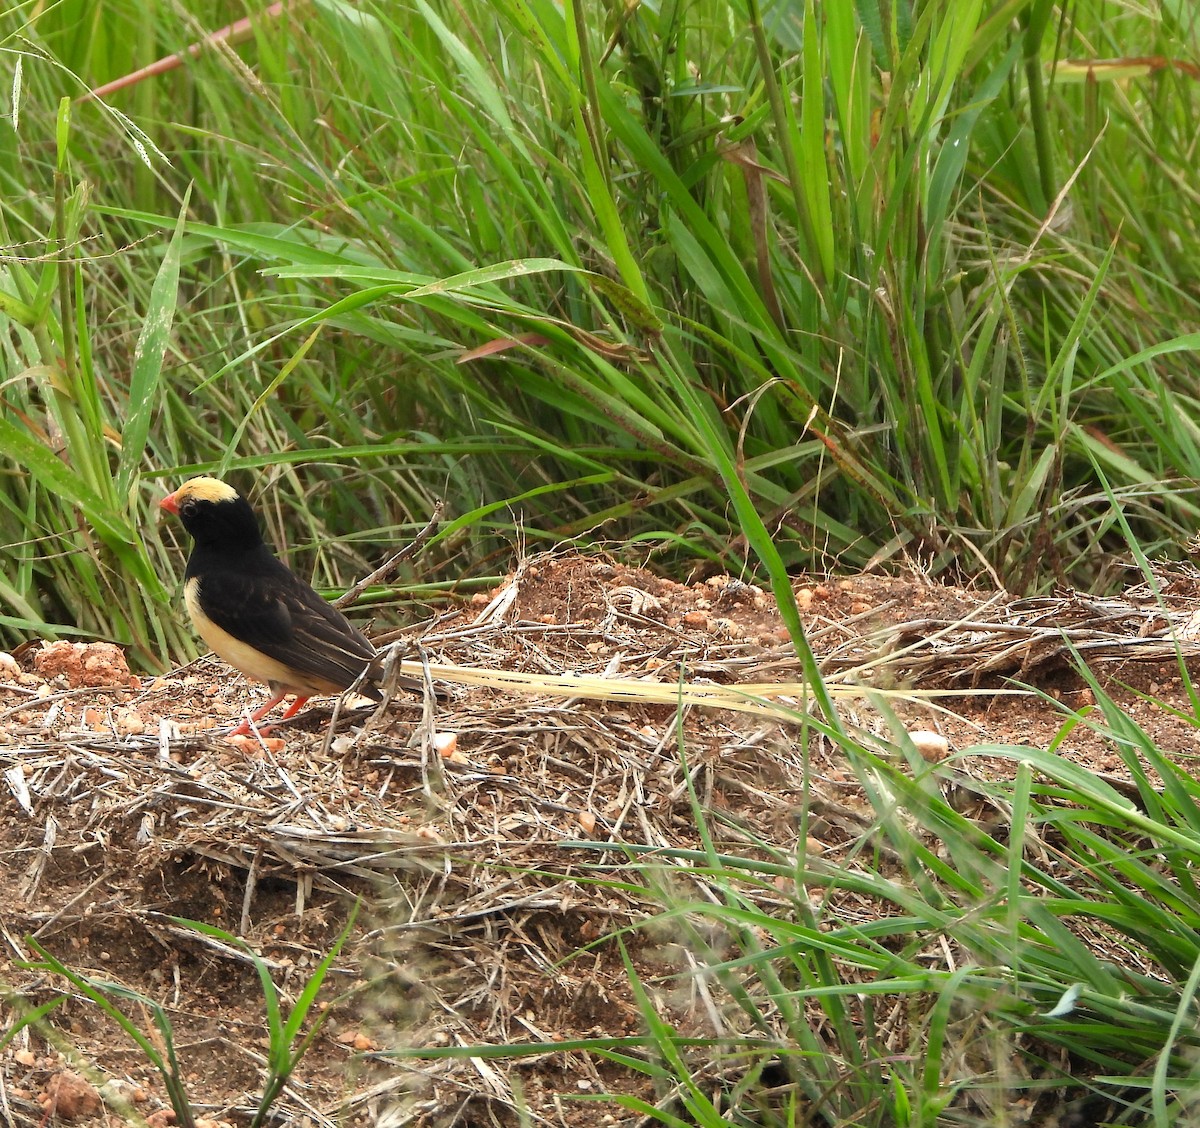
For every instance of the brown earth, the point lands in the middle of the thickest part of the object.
(122, 809)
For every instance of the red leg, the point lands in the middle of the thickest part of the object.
(244, 728)
(294, 708)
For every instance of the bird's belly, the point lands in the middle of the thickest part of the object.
(245, 658)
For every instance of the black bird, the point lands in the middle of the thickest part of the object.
(256, 613)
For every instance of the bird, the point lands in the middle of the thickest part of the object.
(253, 611)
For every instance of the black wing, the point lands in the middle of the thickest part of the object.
(265, 605)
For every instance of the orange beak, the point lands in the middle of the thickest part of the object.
(169, 504)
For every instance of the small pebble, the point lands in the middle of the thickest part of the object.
(932, 745)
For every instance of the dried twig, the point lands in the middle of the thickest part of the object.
(392, 562)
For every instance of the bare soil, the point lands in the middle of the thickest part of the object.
(123, 809)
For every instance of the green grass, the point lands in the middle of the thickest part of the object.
(800, 285)
(906, 314)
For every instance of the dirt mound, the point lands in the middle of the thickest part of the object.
(485, 919)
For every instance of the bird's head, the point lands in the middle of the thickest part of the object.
(214, 513)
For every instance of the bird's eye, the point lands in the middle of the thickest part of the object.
(187, 508)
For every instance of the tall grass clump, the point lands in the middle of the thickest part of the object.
(889, 278)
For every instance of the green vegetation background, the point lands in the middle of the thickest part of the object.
(900, 282)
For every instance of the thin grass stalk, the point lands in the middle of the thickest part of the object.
(781, 115)
(1034, 20)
